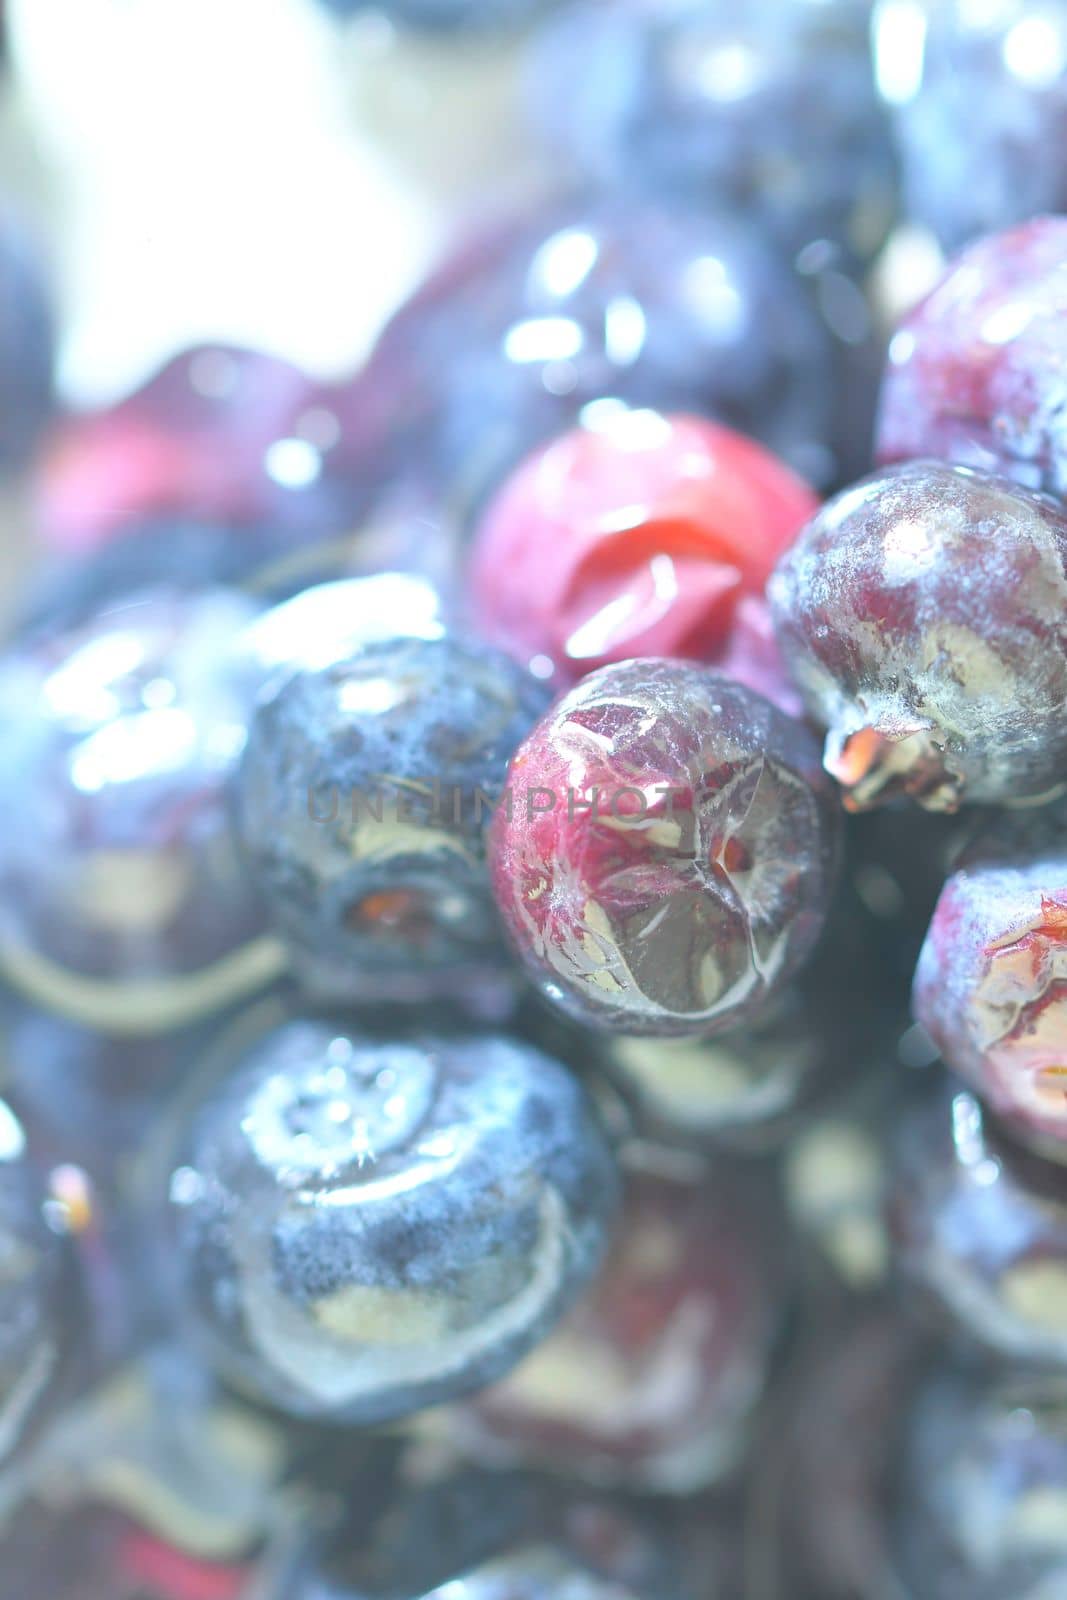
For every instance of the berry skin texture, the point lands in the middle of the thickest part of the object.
(975, 373)
(364, 1228)
(637, 534)
(923, 616)
(376, 879)
(980, 1230)
(700, 884)
(991, 983)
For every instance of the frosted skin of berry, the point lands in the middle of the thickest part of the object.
(980, 1228)
(677, 913)
(35, 1321)
(982, 1477)
(651, 1381)
(923, 615)
(991, 983)
(364, 1228)
(638, 533)
(442, 16)
(123, 901)
(975, 372)
(962, 174)
(377, 880)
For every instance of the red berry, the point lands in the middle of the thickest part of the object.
(637, 533)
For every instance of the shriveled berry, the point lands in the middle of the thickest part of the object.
(363, 800)
(366, 1226)
(975, 373)
(692, 1266)
(635, 533)
(991, 984)
(923, 615)
(664, 862)
(980, 1229)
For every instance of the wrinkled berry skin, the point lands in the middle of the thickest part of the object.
(639, 534)
(364, 1228)
(771, 106)
(384, 905)
(219, 434)
(678, 913)
(975, 373)
(991, 983)
(923, 615)
(964, 174)
(692, 1266)
(524, 326)
(980, 1229)
(982, 1476)
(36, 1318)
(123, 900)
(26, 347)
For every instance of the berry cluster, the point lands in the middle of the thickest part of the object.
(533, 881)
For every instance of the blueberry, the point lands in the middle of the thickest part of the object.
(123, 902)
(363, 798)
(975, 373)
(771, 106)
(923, 614)
(964, 173)
(991, 983)
(442, 15)
(666, 860)
(980, 1228)
(614, 299)
(982, 1476)
(366, 1226)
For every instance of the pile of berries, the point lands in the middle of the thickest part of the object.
(533, 882)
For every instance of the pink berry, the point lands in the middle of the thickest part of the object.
(664, 854)
(923, 615)
(976, 372)
(636, 533)
(991, 984)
